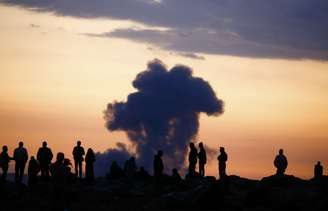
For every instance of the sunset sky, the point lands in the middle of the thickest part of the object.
(62, 62)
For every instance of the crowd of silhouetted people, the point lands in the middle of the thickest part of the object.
(60, 172)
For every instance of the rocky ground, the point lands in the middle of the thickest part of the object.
(235, 193)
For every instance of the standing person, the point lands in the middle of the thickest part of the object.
(222, 158)
(318, 170)
(158, 165)
(89, 170)
(130, 168)
(192, 158)
(281, 163)
(78, 153)
(33, 170)
(4, 162)
(44, 157)
(60, 179)
(20, 157)
(202, 159)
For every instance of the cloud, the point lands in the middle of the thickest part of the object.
(255, 28)
(190, 55)
(163, 114)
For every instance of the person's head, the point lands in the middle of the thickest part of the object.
(32, 158)
(20, 144)
(175, 171)
(78, 143)
(160, 153)
(5, 148)
(192, 145)
(60, 157)
(132, 159)
(90, 151)
(221, 149)
(281, 151)
(319, 163)
(201, 145)
(67, 162)
(44, 144)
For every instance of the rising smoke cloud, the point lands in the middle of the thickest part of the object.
(163, 113)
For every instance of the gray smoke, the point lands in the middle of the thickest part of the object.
(163, 114)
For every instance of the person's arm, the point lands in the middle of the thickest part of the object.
(15, 154)
(50, 155)
(26, 155)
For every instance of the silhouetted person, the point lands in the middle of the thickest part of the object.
(142, 174)
(158, 164)
(281, 163)
(89, 169)
(60, 178)
(4, 162)
(44, 157)
(175, 175)
(130, 167)
(33, 170)
(78, 153)
(71, 178)
(116, 171)
(192, 158)
(202, 159)
(20, 157)
(318, 170)
(222, 158)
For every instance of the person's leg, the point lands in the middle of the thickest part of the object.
(16, 171)
(80, 169)
(21, 171)
(76, 166)
(191, 169)
(46, 171)
(201, 169)
(4, 172)
(42, 170)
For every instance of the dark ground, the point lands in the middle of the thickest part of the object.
(270, 193)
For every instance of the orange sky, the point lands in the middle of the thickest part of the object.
(56, 82)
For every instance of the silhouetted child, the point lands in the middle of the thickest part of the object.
(175, 175)
(318, 170)
(142, 174)
(60, 177)
(33, 170)
(44, 157)
(130, 167)
(4, 162)
(202, 159)
(71, 178)
(222, 158)
(281, 163)
(59, 172)
(158, 165)
(192, 158)
(78, 153)
(20, 157)
(89, 167)
(116, 171)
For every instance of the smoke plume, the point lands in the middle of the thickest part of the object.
(163, 114)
